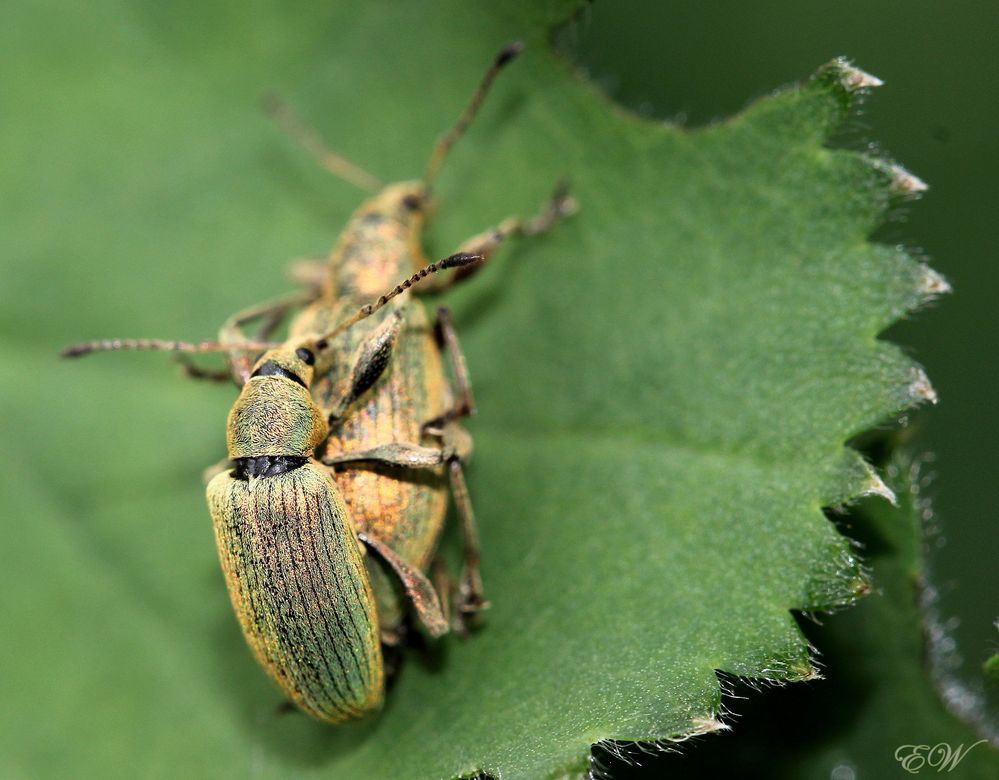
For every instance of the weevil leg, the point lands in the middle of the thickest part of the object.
(470, 594)
(310, 272)
(561, 204)
(421, 593)
(455, 448)
(240, 363)
(445, 590)
(232, 335)
(447, 338)
(400, 454)
(310, 140)
(368, 363)
(193, 371)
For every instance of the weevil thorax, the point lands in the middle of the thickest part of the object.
(377, 247)
(275, 413)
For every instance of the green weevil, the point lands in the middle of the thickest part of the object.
(287, 543)
(349, 436)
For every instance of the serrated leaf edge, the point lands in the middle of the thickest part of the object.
(852, 83)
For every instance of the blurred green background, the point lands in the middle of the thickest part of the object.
(938, 116)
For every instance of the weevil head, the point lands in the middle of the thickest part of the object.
(407, 202)
(275, 413)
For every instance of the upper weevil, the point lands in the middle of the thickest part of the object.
(396, 449)
(358, 393)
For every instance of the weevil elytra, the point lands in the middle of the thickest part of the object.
(378, 464)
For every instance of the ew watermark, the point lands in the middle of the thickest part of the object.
(940, 757)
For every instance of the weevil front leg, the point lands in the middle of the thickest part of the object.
(464, 402)
(368, 363)
(239, 363)
(561, 204)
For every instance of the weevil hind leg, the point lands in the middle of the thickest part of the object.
(457, 449)
(456, 445)
(561, 204)
(421, 593)
(445, 590)
(470, 597)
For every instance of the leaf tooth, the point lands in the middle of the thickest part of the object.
(853, 79)
(877, 487)
(847, 77)
(920, 390)
(905, 184)
(707, 725)
(932, 284)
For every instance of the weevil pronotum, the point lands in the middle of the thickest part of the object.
(375, 464)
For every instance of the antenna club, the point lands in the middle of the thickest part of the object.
(509, 53)
(75, 351)
(459, 260)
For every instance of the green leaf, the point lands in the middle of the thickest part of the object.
(665, 383)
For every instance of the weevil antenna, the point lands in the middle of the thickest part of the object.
(454, 261)
(450, 138)
(161, 345)
(289, 121)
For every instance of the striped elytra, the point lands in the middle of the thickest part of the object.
(297, 581)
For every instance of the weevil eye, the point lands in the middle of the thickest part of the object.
(305, 355)
(412, 203)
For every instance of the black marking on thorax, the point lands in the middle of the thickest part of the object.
(265, 466)
(270, 368)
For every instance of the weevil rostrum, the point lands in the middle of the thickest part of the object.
(345, 441)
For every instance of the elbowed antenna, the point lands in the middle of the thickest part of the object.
(286, 118)
(161, 345)
(449, 139)
(454, 261)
